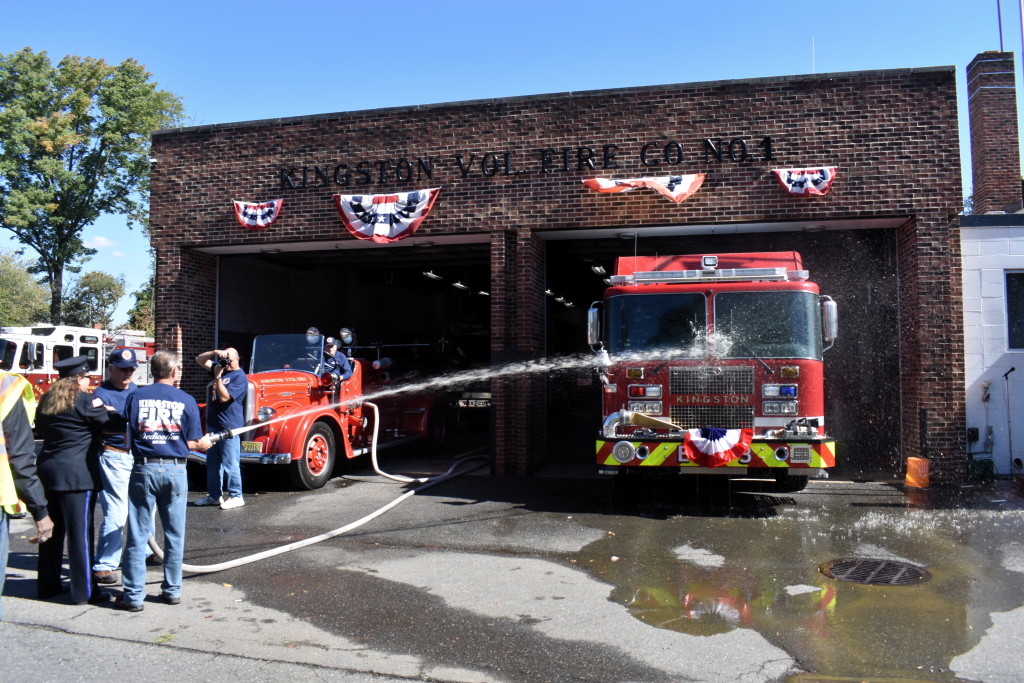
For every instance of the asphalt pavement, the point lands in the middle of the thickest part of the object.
(561, 576)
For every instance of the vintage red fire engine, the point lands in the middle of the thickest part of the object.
(32, 351)
(300, 416)
(712, 364)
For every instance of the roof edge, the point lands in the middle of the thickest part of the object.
(561, 95)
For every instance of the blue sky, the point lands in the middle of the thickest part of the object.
(239, 61)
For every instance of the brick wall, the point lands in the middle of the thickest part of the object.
(892, 135)
(995, 152)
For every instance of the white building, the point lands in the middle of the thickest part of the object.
(992, 248)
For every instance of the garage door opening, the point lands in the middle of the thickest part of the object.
(426, 308)
(856, 267)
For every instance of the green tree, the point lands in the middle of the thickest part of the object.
(74, 144)
(23, 301)
(93, 299)
(141, 316)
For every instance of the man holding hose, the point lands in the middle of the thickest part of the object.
(163, 426)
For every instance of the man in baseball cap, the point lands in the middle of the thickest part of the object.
(115, 466)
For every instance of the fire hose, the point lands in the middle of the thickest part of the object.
(426, 482)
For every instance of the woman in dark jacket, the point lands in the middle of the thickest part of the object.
(71, 422)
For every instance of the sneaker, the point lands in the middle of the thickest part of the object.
(153, 560)
(121, 603)
(208, 500)
(170, 599)
(232, 503)
(106, 578)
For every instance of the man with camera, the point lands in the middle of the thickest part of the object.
(224, 412)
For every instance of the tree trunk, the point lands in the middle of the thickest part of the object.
(56, 293)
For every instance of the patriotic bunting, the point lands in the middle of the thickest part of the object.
(385, 218)
(714, 447)
(806, 181)
(675, 187)
(256, 215)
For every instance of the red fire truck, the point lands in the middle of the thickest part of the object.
(298, 415)
(712, 364)
(32, 351)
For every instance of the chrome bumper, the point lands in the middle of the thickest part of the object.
(248, 458)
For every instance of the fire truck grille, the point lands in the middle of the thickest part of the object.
(717, 380)
(726, 417)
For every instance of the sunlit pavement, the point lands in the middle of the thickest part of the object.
(563, 576)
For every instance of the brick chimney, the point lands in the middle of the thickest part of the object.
(995, 148)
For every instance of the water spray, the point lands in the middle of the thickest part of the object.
(457, 469)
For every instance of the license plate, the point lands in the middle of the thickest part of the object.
(252, 447)
(474, 403)
(800, 454)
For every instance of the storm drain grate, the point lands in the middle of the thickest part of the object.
(874, 572)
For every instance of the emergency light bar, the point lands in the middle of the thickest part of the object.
(726, 274)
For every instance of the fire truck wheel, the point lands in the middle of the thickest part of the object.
(789, 483)
(316, 465)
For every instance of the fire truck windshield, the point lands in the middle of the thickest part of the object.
(644, 322)
(780, 324)
(285, 351)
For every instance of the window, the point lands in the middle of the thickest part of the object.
(9, 350)
(779, 324)
(644, 322)
(1015, 309)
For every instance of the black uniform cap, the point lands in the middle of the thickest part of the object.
(69, 367)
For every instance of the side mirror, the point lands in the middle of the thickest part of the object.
(829, 320)
(594, 324)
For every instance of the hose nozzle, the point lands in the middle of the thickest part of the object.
(214, 437)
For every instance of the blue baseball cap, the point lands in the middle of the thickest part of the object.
(123, 358)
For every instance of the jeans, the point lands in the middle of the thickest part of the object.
(223, 461)
(5, 539)
(115, 468)
(160, 487)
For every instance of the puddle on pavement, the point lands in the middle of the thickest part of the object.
(705, 575)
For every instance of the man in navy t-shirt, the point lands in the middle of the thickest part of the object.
(163, 426)
(115, 466)
(224, 412)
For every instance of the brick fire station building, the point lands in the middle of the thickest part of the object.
(514, 224)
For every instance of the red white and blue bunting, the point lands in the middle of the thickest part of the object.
(256, 215)
(806, 181)
(385, 218)
(678, 188)
(714, 447)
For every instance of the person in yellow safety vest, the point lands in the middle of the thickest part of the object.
(18, 480)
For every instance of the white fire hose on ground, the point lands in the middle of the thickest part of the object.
(426, 483)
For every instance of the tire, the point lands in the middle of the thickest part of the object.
(316, 465)
(789, 483)
(438, 425)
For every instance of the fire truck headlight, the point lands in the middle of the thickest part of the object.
(265, 413)
(644, 390)
(645, 407)
(779, 407)
(779, 391)
(623, 452)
